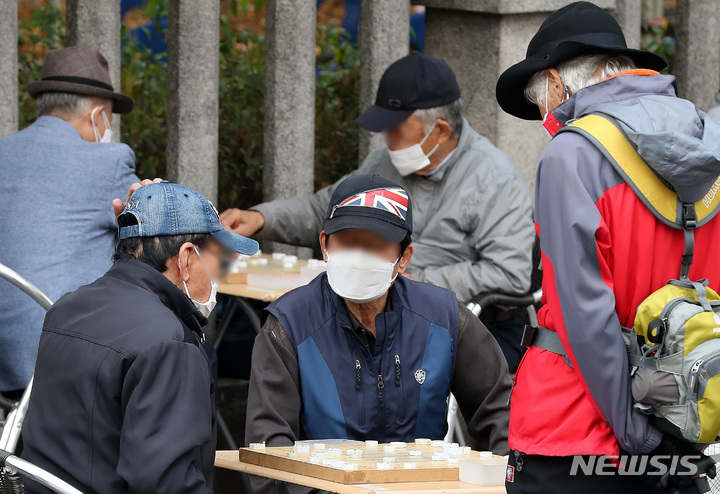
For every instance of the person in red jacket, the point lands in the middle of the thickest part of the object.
(603, 251)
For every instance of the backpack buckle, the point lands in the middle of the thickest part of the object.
(528, 335)
(689, 216)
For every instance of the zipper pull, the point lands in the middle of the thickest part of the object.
(358, 368)
(397, 370)
(381, 386)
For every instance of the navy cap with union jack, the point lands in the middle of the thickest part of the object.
(370, 202)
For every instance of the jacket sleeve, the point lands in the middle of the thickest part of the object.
(124, 177)
(167, 421)
(299, 221)
(481, 385)
(575, 243)
(502, 235)
(274, 404)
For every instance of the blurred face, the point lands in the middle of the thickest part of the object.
(200, 267)
(369, 242)
(408, 133)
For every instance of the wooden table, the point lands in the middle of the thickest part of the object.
(230, 461)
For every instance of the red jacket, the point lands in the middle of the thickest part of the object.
(603, 253)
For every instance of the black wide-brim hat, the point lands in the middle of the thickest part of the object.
(79, 70)
(580, 28)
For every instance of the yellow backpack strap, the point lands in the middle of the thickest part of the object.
(607, 136)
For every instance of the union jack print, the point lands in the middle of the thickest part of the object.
(393, 200)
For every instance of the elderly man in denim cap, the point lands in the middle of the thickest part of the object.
(123, 399)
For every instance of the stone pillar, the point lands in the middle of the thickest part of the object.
(384, 37)
(479, 39)
(8, 67)
(193, 95)
(97, 23)
(629, 15)
(289, 128)
(698, 51)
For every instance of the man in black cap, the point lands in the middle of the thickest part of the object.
(603, 251)
(473, 211)
(364, 353)
(57, 179)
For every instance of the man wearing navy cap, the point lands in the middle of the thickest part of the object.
(123, 399)
(364, 353)
(473, 210)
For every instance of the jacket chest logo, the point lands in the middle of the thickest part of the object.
(420, 376)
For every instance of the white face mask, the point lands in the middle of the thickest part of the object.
(205, 308)
(107, 135)
(413, 158)
(358, 276)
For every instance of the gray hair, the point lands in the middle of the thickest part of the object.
(67, 104)
(451, 113)
(578, 73)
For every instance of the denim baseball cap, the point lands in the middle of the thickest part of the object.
(166, 208)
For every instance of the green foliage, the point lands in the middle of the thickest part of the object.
(45, 31)
(242, 81)
(656, 39)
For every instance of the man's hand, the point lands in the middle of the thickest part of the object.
(242, 222)
(119, 205)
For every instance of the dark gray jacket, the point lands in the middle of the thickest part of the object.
(123, 400)
(473, 225)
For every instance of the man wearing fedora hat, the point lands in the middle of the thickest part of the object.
(603, 251)
(57, 180)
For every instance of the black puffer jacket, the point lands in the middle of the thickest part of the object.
(123, 399)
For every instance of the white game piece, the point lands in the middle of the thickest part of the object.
(438, 457)
(453, 460)
(371, 444)
(314, 459)
(389, 459)
(385, 465)
(486, 454)
(290, 258)
(318, 446)
(278, 255)
(302, 448)
(354, 453)
(328, 461)
(467, 450)
(334, 452)
(288, 265)
(351, 466)
(399, 444)
(338, 464)
(454, 445)
(422, 441)
(389, 448)
(454, 451)
(292, 454)
(262, 261)
(257, 446)
(415, 452)
(437, 443)
(409, 465)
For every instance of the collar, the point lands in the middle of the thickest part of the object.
(145, 276)
(355, 322)
(58, 125)
(442, 163)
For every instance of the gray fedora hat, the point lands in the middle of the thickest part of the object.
(79, 70)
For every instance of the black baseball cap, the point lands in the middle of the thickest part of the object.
(414, 82)
(370, 202)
